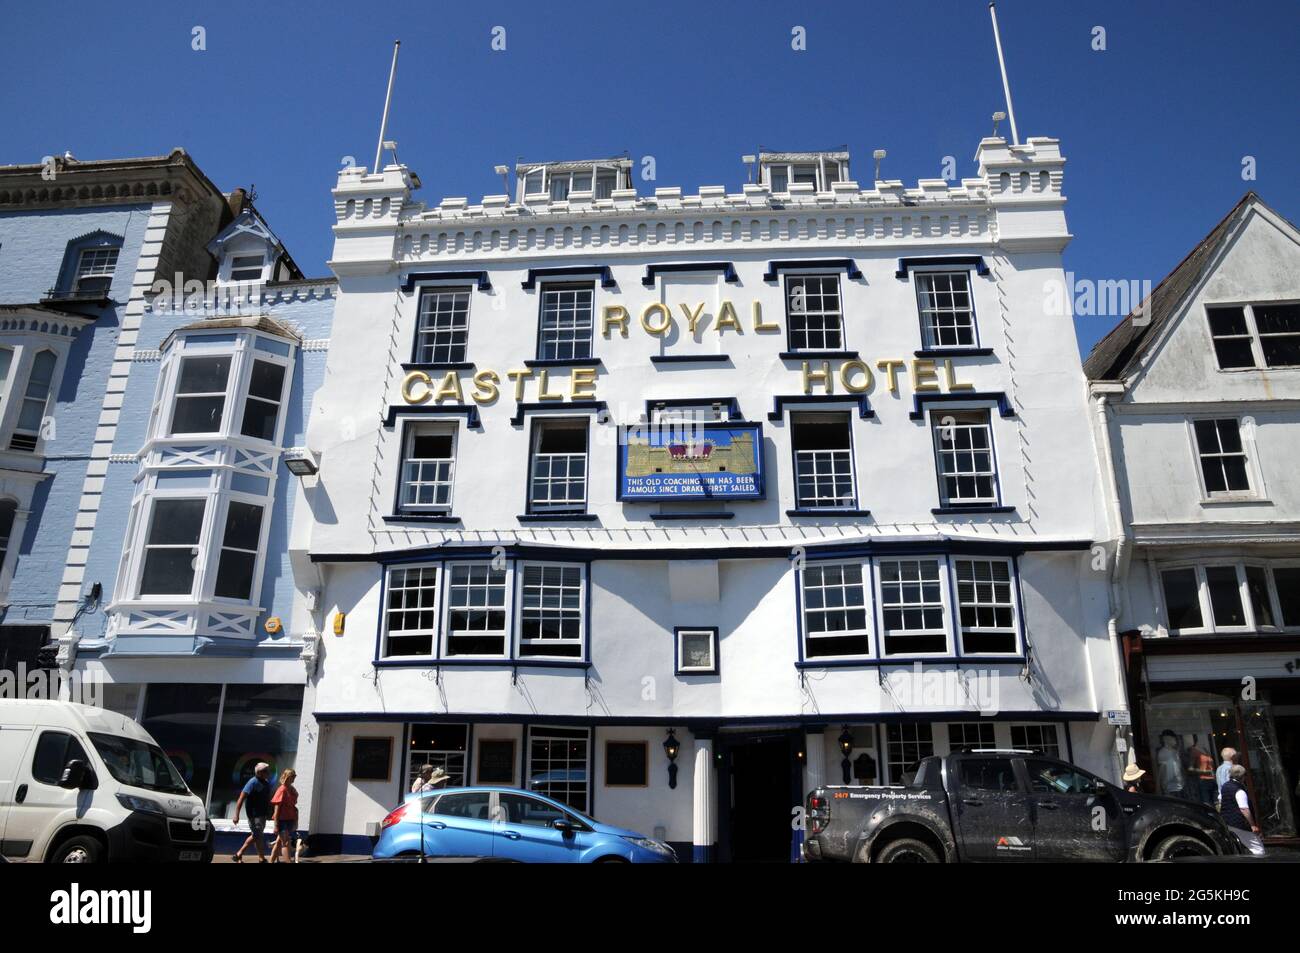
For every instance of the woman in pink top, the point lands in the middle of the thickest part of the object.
(284, 815)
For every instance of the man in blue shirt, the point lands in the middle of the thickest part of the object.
(257, 795)
(1229, 756)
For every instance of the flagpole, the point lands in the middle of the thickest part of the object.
(1002, 65)
(388, 99)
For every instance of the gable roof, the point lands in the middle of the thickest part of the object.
(1116, 355)
(249, 221)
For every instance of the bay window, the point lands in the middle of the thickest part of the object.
(262, 405)
(986, 606)
(411, 611)
(171, 548)
(239, 548)
(476, 610)
(200, 403)
(912, 607)
(551, 611)
(835, 610)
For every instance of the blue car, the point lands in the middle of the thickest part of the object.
(509, 824)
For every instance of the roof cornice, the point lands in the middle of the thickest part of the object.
(71, 183)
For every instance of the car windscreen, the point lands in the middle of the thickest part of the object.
(138, 764)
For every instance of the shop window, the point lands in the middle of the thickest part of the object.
(911, 604)
(813, 313)
(476, 610)
(200, 395)
(258, 723)
(963, 446)
(1040, 739)
(947, 314)
(969, 735)
(35, 400)
(1224, 466)
(428, 468)
(986, 606)
(1231, 597)
(171, 550)
(439, 745)
(559, 467)
(558, 760)
(442, 329)
(262, 406)
(835, 610)
(551, 610)
(182, 717)
(565, 325)
(906, 745)
(411, 611)
(823, 461)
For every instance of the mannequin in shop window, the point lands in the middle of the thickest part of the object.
(1200, 766)
(1169, 765)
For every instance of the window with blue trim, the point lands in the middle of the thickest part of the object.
(947, 312)
(442, 330)
(836, 610)
(566, 322)
(822, 445)
(813, 312)
(558, 472)
(963, 446)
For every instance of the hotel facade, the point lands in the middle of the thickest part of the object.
(674, 506)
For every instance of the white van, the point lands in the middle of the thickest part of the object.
(81, 785)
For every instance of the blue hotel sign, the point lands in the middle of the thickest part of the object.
(691, 461)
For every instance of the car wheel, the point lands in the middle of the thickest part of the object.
(611, 860)
(1180, 845)
(78, 850)
(907, 850)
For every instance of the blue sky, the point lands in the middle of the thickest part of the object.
(1155, 127)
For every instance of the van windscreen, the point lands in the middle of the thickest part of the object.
(138, 764)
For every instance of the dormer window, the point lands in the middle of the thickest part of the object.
(559, 179)
(95, 270)
(819, 169)
(246, 267)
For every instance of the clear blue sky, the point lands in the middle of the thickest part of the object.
(1154, 128)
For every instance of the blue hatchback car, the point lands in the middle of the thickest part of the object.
(509, 824)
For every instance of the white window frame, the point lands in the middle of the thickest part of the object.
(18, 397)
(1039, 727)
(572, 341)
(506, 632)
(459, 328)
(433, 634)
(201, 546)
(682, 668)
(821, 313)
(801, 418)
(540, 426)
(1014, 585)
(1208, 624)
(869, 603)
(929, 339)
(937, 427)
(945, 604)
(241, 353)
(517, 615)
(175, 395)
(220, 507)
(981, 727)
(113, 252)
(1252, 332)
(411, 429)
(1254, 473)
(819, 165)
(246, 258)
(279, 402)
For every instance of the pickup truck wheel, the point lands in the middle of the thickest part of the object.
(1180, 845)
(907, 850)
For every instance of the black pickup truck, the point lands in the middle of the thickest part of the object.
(1007, 806)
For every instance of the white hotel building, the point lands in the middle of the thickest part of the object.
(760, 473)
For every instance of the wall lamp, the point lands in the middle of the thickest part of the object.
(846, 748)
(302, 462)
(671, 748)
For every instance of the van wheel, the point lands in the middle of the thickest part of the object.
(907, 850)
(1180, 845)
(78, 850)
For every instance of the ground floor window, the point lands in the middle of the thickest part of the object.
(969, 735)
(558, 760)
(1186, 731)
(1040, 739)
(907, 744)
(216, 734)
(442, 746)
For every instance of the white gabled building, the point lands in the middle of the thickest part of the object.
(756, 473)
(1199, 394)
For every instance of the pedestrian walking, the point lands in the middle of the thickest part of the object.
(428, 779)
(1133, 779)
(1229, 756)
(1237, 812)
(284, 816)
(256, 795)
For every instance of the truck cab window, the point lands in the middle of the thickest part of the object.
(1049, 777)
(989, 774)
